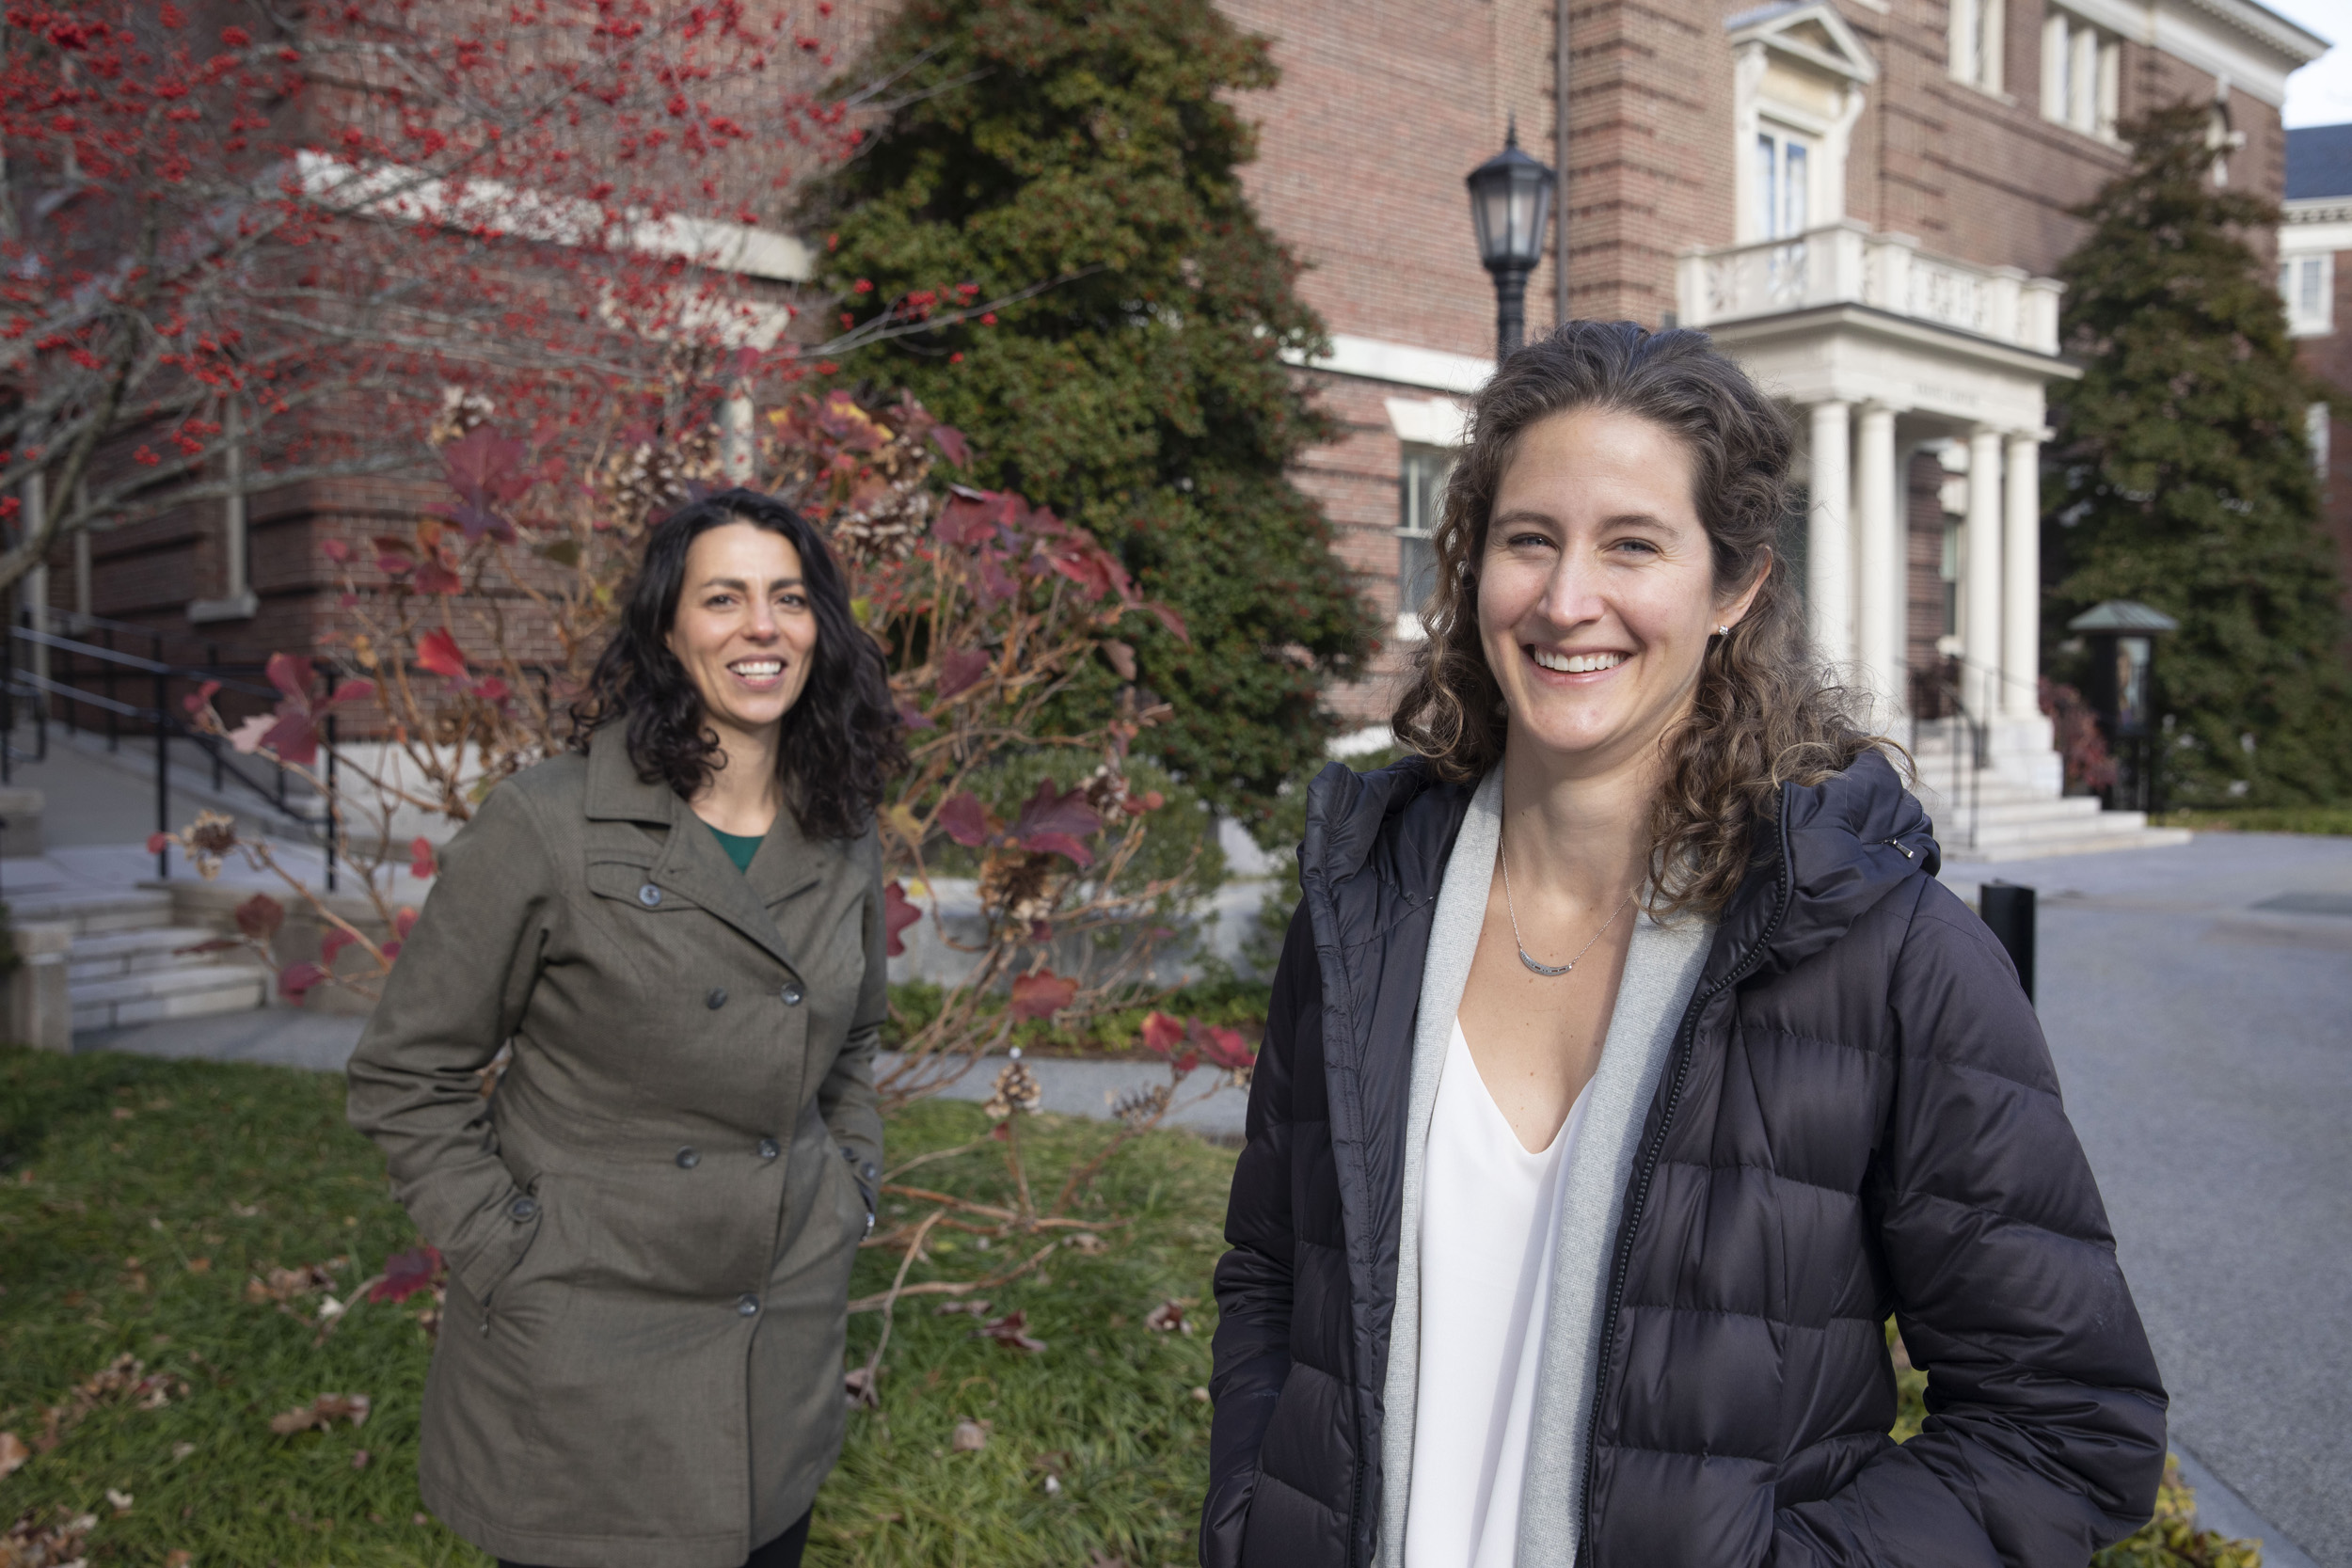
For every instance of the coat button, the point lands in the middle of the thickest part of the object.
(770, 1148)
(717, 999)
(687, 1159)
(791, 993)
(747, 1307)
(522, 1209)
(650, 896)
(867, 1170)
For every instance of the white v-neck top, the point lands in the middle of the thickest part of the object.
(1489, 1225)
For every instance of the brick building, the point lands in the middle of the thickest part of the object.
(2315, 279)
(1862, 199)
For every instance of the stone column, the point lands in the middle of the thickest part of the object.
(1828, 553)
(736, 448)
(2021, 581)
(1878, 566)
(1980, 619)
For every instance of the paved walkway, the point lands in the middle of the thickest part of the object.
(2199, 1005)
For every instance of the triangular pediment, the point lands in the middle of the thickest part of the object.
(1809, 30)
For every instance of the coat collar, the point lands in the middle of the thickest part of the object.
(689, 860)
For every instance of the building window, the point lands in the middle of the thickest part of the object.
(1977, 43)
(2308, 284)
(1421, 503)
(1783, 186)
(2082, 75)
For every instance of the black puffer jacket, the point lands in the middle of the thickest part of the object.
(1859, 1118)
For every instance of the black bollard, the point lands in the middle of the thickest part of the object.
(2008, 909)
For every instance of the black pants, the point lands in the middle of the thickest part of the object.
(783, 1552)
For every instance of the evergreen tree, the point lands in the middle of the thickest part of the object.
(2185, 480)
(1091, 145)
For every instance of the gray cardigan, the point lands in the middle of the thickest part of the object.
(1661, 971)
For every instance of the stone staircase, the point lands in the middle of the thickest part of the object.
(2014, 821)
(126, 962)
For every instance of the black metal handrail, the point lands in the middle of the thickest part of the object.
(1947, 694)
(17, 682)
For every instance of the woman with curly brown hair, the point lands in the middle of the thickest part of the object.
(1628, 1067)
(678, 927)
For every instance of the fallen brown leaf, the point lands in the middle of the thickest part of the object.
(360, 1460)
(1084, 1241)
(976, 1306)
(1169, 1316)
(120, 1501)
(286, 1284)
(30, 1544)
(857, 1386)
(179, 1557)
(971, 1435)
(200, 1265)
(13, 1453)
(1011, 1331)
(322, 1413)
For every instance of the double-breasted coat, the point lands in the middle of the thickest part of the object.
(649, 1227)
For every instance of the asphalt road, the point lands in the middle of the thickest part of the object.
(2204, 1046)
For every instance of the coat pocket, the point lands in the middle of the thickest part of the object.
(492, 1263)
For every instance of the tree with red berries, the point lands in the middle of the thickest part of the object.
(245, 247)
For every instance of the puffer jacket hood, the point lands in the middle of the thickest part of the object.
(1860, 1118)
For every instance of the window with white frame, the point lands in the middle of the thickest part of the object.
(1784, 180)
(2308, 284)
(2082, 75)
(1976, 41)
(1421, 503)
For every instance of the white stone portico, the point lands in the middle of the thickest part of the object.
(1882, 350)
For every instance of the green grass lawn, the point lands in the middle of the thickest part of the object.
(139, 1199)
(2263, 820)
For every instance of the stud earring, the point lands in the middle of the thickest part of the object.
(1723, 631)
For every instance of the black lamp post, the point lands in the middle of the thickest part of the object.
(1510, 202)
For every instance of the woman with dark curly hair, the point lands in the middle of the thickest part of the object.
(678, 929)
(1628, 1067)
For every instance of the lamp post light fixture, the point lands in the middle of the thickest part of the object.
(1510, 204)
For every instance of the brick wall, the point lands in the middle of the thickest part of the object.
(2329, 358)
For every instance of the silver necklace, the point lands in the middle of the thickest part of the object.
(1520, 942)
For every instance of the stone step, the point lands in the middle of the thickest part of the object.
(2086, 844)
(160, 993)
(95, 913)
(114, 953)
(1990, 811)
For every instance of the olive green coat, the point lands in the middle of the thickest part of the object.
(649, 1227)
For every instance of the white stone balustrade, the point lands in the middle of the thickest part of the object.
(1844, 263)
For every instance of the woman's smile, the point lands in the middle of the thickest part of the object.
(1589, 666)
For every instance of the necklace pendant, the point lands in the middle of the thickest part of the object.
(1544, 969)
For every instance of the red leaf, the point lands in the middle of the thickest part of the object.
(434, 578)
(1160, 1033)
(421, 860)
(408, 1272)
(155, 843)
(897, 914)
(1059, 844)
(1173, 622)
(965, 819)
(293, 738)
(260, 916)
(437, 650)
(295, 981)
(959, 670)
(487, 470)
(952, 445)
(195, 701)
(351, 691)
(403, 921)
(336, 550)
(969, 518)
(331, 942)
(1051, 822)
(291, 675)
(1011, 1331)
(1042, 994)
(1225, 1048)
